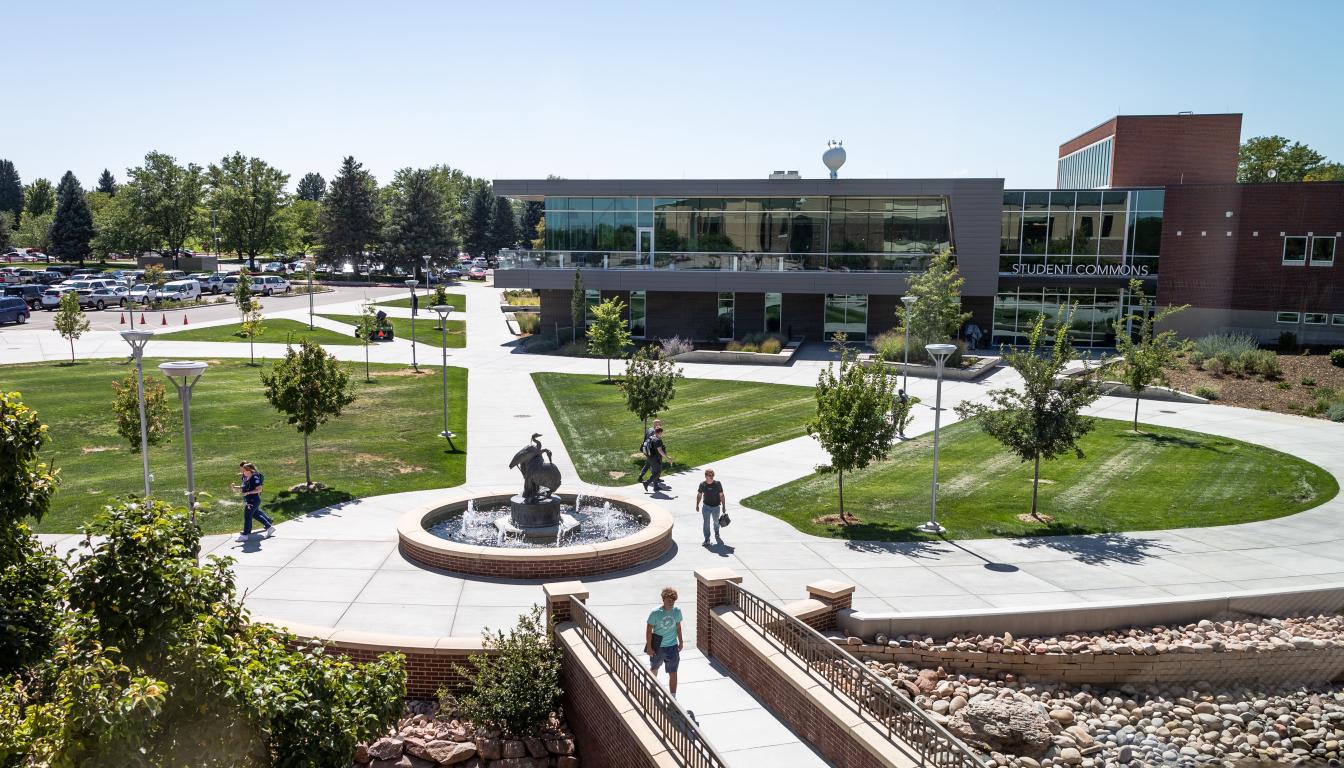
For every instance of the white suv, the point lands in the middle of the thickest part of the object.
(269, 285)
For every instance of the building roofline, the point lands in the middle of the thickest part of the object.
(1080, 134)
(540, 188)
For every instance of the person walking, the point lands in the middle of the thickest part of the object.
(710, 503)
(644, 448)
(250, 489)
(657, 457)
(662, 638)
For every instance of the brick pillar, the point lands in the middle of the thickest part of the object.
(711, 589)
(557, 601)
(837, 596)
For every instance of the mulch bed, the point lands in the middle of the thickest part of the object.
(1266, 394)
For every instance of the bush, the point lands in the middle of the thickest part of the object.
(1307, 381)
(1206, 392)
(576, 349)
(771, 346)
(1337, 357)
(1261, 361)
(1284, 385)
(675, 346)
(890, 346)
(539, 345)
(1235, 345)
(528, 322)
(1335, 412)
(1287, 341)
(516, 688)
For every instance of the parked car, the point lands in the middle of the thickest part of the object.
(211, 282)
(141, 293)
(51, 298)
(230, 283)
(30, 293)
(452, 274)
(174, 274)
(476, 273)
(49, 277)
(90, 283)
(180, 290)
(85, 272)
(13, 310)
(273, 266)
(269, 285)
(62, 268)
(102, 298)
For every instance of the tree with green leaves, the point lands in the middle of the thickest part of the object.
(529, 220)
(851, 420)
(5, 231)
(39, 198)
(70, 320)
(11, 192)
(126, 407)
(119, 227)
(365, 328)
(350, 213)
(302, 226)
(249, 196)
(936, 316)
(650, 383)
(311, 187)
(1041, 419)
(35, 231)
(610, 334)
(578, 306)
(515, 685)
(72, 225)
(1146, 354)
(503, 226)
(155, 276)
(1295, 161)
(310, 387)
(249, 310)
(417, 222)
(107, 183)
(476, 223)
(167, 200)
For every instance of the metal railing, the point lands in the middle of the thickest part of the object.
(681, 733)
(887, 708)
(728, 261)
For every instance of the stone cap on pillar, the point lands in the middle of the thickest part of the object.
(561, 589)
(717, 577)
(829, 589)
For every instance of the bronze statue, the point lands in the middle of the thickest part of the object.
(541, 478)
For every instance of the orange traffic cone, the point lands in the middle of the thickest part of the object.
(164, 320)
(123, 318)
(142, 318)
(184, 319)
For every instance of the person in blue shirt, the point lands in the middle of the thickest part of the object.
(250, 489)
(662, 638)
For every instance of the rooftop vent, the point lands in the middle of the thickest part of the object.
(785, 175)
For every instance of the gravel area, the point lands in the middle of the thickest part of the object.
(1266, 394)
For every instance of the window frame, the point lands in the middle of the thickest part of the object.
(1324, 318)
(1283, 256)
(1338, 319)
(1296, 318)
(1311, 251)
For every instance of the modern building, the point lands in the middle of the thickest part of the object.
(1152, 198)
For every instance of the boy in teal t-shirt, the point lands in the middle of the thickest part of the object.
(662, 638)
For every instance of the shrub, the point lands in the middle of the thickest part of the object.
(576, 349)
(771, 346)
(1233, 344)
(1261, 361)
(749, 347)
(734, 346)
(1337, 357)
(528, 322)
(538, 345)
(1206, 392)
(675, 346)
(1287, 341)
(890, 346)
(516, 688)
(1284, 385)
(1307, 381)
(1196, 358)
(1335, 412)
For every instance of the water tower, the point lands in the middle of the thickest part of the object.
(834, 156)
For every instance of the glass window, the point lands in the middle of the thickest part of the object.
(602, 203)
(1035, 232)
(591, 299)
(1322, 251)
(1111, 241)
(1010, 239)
(1149, 199)
(1062, 200)
(774, 312)
(1090, 200)
(1061, 233)
(847, 313)
(1314, 318)
(1037, 201)
(1294, 250)
(1337, 320)
(1086, 225)
(1287, 317)
(1146, 237)
(1113, 201)
(725, 317)
(1012, 201)
(638, 308)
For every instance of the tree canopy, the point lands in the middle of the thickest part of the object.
(39, 198)
(650, 383)
(936, 316)
(72, 228)
(249, 196)
(310, 387)
(350, 215)
(11, 191)
(503, 226)
(417, 221)
(851, 420)
(1290, 161)
(107, 183)
(609, 335)
(476, 221)
(311, 187)
(167, 200)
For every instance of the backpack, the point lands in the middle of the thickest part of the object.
(644, 447)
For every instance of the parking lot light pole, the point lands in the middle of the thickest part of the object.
(909, 302)
(939, 353)
(426, 258)
(184, 376)
(444, 311)
(312, 267)
(411, 285)
(138, 340)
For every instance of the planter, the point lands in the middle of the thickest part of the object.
(1167, 394)
(519, 308)
(782, 357)
(982, 367)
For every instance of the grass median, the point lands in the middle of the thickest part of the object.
(277, 331)
(457, 301)
(426, 330)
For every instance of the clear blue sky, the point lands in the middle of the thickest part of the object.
(646, 90)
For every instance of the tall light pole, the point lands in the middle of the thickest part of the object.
(184, 376)
(909, 302)
(426, 258)
(444, 311)
(411, 285)
(138, 340)
(939, 353)
(311, 263)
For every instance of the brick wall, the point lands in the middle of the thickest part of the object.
(1087, 139)
(1175, 149)
(427, 669)
(605, 736)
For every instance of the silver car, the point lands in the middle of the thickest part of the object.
(102, 298)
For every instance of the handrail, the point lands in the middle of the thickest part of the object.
(889, 708)
(721, 261)
(668, 718)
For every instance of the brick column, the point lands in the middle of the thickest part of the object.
(835, 595)
(711, 589)
(557, 601)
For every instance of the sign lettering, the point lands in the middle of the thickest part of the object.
(1081, 270)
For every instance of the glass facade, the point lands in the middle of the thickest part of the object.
(1083, 233)
(1088, 168)
(591, 299)
(774, 312)
(847, 313)
(639, 305)
(726, 319)
(1016, 310)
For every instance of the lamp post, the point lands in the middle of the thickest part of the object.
(426, 258)
(311, 263)
(939, 353)
(138, 340)
(184, 376)
(411, 283)
(444, 311)
(909, 302)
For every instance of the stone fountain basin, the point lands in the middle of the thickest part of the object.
(421, 546)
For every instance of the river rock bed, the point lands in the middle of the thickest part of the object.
(421, 739)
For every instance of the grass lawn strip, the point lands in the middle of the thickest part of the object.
(1159, 478)
(383, 443)
(457, 301)
(278, 331)
(426, 329)
(707, 421)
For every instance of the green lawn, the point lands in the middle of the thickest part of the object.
(1161, 478)
(276, 331)
(457, 301)
(426, 329)
(708, 421)
(385, 442)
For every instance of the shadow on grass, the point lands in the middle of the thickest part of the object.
(1100, 548)
(1173, 441)
(313, 503)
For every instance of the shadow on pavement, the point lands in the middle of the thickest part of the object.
(1101, 548)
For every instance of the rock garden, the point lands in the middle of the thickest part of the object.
(424, 738)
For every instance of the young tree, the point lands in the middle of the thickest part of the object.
(503, 226)
(250, 311)
(851, 421)
(1146, 355)
(70, 321)
(364, 329)
(250, 198)
(39, 197)
(126, 407)
(610, 334)
(107, 183)
(350, 212)
(578, 306)
(650, 384)
(417, 222)
(309, 387)
(476, 223)
(1290, 162)
(1042, 419)
(155, 276)
(311, 187)
(252, 327)
(11, 192)
(167, 200)
(72, 225)
(937, 314)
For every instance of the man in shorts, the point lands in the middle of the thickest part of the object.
(662, 638)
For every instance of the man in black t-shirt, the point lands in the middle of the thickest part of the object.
(657, 456)
(710, 502)
(644, 449)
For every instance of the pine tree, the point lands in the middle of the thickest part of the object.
(311, 187)
(476, 226)
(11, 192)
(350, 214)
(417, 223)
(72, 228)
(532, 214)
(503, 226)
(39, 198)
(310, 387)
(5, 231)
(107, 183)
